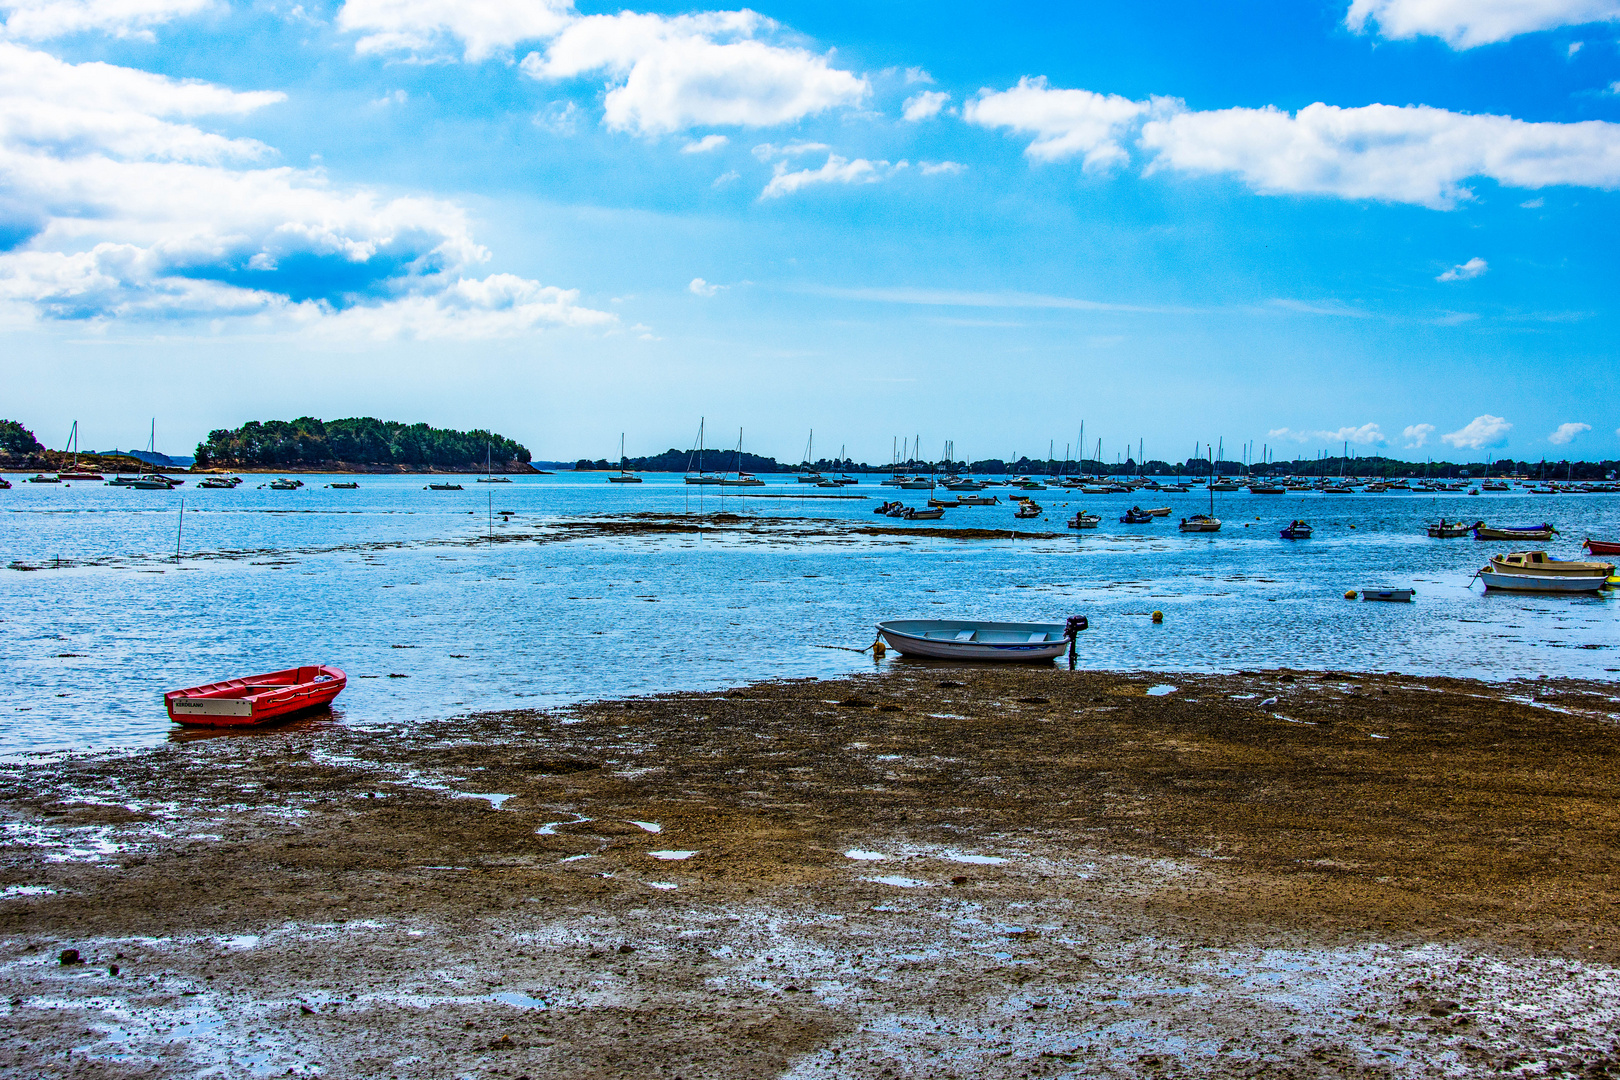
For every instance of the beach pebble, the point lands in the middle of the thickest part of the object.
(69, 957)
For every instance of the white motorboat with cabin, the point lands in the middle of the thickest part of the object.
(1536, 571)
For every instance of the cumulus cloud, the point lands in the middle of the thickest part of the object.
(837, 170)
(1417, 435)
(1566, 433)
(705, 144)
(1467, 271)
(481, 28)
(39, 20)
(1411, 153)
(924, 106)
(717, 68)
(1365, 435)
(1064, 122)
(767, 151)
(1465, 24)
(118, 206)
(937, 168)
(699, 287)
(1481, 432)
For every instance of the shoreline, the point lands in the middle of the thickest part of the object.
(958, 871)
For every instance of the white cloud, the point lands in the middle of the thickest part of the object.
(1533, 204)
(1575, 47)
(1481, 432)
(1411, 154)
(727, 177)
(708, 69)
(117, 209)
(1064, 122)
(916, 75)
(1365, 435)
(924, 106)
(767, 151)
(559, 118)
(705, 144)
(1566, 433)
(936, 168)
(1464, 24)
(1467, 271)
(699, 287)
(39, 20)
(431, 27)
(398, 97)
(1417, 435)
(837, 170)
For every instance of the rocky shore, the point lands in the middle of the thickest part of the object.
(928, 871)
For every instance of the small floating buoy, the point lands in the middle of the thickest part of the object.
(1350, 594)
(1352, 526)
(878, 649)
(1158, 616)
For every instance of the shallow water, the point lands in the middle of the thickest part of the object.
(391, 583)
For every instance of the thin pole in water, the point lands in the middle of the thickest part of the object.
(179, 528)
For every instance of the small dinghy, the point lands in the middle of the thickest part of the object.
(1027, 510)
(1399, 596)
(256, 699)
(1602, 547)
(1083, 520)
(442, 487)
(1544, 531)
(1297, 530)
(944, 639)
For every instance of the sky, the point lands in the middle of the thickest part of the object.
(1387, 224)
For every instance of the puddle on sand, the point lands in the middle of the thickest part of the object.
(550, 828)
(1160, 690)
(865, 856)
(518, 999)
(650, 826)
(25, 890)
(978, 860)
(899, 882)
(495, 801)
(662, 885)
(672, 856)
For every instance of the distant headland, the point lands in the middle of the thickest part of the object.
(358, 444)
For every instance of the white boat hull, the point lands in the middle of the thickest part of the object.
(1541, 582)
(958, 640)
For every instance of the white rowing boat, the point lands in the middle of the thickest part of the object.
(946, 639)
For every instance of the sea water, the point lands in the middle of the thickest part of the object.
(435, 604)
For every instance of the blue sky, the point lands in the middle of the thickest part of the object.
(1391, 222)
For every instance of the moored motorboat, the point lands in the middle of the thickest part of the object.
(1267, 489)
(1297, 530)
(347, 486)
(1136, 516)
(1536, 571)
(435, 487)
(1083, 520)
(1028, 509)
(888, 507)
(1544, 531)
(1159, 511)
(979, 500)
(256, 698)
(291, 485)
(1446, 530)
(5, 485)
(1602, 547)
(41, 478)
(933, 514)
(945, 639)
(1398, 596)
(1200, 523)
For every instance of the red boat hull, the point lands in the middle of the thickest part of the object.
(1603, 547)
(256, 699)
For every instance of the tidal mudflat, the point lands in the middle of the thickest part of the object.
(927, 871)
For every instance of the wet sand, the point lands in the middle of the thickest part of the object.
(929, 871)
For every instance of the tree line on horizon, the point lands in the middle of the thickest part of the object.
(680, 461)
(362, 440)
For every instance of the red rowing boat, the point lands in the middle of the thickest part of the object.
(257, 698)
(1602, 547)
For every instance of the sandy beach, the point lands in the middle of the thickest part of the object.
(929, 871)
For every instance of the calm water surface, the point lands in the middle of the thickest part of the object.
(391, 583)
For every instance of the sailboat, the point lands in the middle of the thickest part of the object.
(1204, 523)
(742, 479)
(73, 445)
(699, 477)
(810, 474)
(489, 476)
(624, 476)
